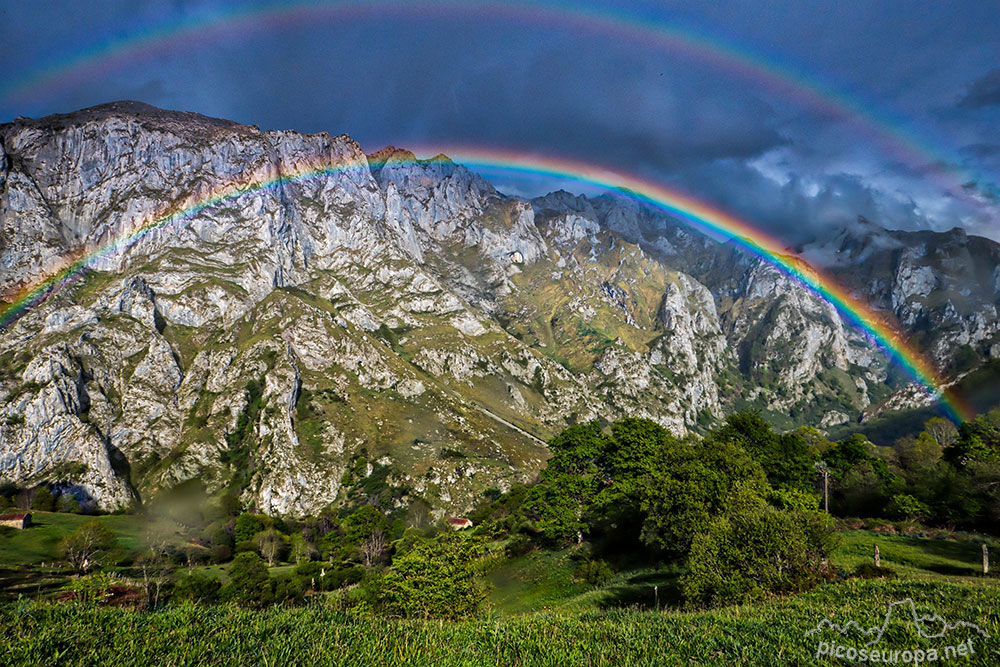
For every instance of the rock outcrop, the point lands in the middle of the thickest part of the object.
(263, 310)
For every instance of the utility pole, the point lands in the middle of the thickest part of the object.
(824, 470)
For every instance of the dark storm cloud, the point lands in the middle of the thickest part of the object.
(592, 104)
(982, 150)
(983, 92)
(790, 158)
(800, 209)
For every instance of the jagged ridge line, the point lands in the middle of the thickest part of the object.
(683, 208)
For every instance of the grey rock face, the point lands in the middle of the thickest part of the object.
(941, 285)
(331, 305)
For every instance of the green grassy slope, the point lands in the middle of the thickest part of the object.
(763, 634)
(40, 543)
(540, 613)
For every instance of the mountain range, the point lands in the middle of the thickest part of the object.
(403, 319)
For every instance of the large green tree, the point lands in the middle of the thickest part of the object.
(249, 583)
(561, 502)
(247, 525)
(435, 578)
(785, 457)
(689, 485)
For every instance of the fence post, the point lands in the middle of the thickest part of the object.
(878, 561)
(986, 560)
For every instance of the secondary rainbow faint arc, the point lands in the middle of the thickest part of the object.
(713, 50)
(697, 214)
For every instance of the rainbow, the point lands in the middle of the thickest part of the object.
(698, 215)
(879, 125)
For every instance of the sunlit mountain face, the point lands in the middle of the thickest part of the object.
(252, 245)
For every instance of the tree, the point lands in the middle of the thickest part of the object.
(154, 565)
(977, 440)
(846, 453)
(561, 500)
(942, 430)
(865, 489)
(362, 523)
(356, 529)
(785, 458)
(630, 455)
(753, 549)
(918, 454)
(247, 525)
(271, 544)
(155, 570)
(69, 504)
(249, 583)
(44, 500)
(86, 546)
(435, 578)
(558, 507)
(374, 548)
(864, 483)
(691, 484)
(302, 549)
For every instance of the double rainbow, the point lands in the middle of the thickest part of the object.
(686, 209)
(884, 128)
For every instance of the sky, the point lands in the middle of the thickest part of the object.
(797, 115)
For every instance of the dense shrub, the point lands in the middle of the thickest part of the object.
(869, 571)
(518, 545)
(434, 579)
(906, 507)
(288, 589)
(754, 549)
(247, 525)
(323, 576)
(595, 572)
(249, 583)
(197, 587)
(43, 500)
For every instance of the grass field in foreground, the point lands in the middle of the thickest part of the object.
(539, 613)
(771, 632)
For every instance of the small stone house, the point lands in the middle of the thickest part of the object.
(458, 523)
(19, 520)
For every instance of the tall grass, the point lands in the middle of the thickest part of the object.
(33, 633)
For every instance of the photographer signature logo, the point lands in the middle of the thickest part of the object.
(931, 627)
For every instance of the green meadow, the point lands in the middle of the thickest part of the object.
(538, 613)
(772, 632)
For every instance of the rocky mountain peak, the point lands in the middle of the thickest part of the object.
(150, 117)
(390, 155)
(406, 313)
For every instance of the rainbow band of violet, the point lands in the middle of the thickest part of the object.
(698, 215)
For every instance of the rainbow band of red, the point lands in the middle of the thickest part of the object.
(698, 215)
